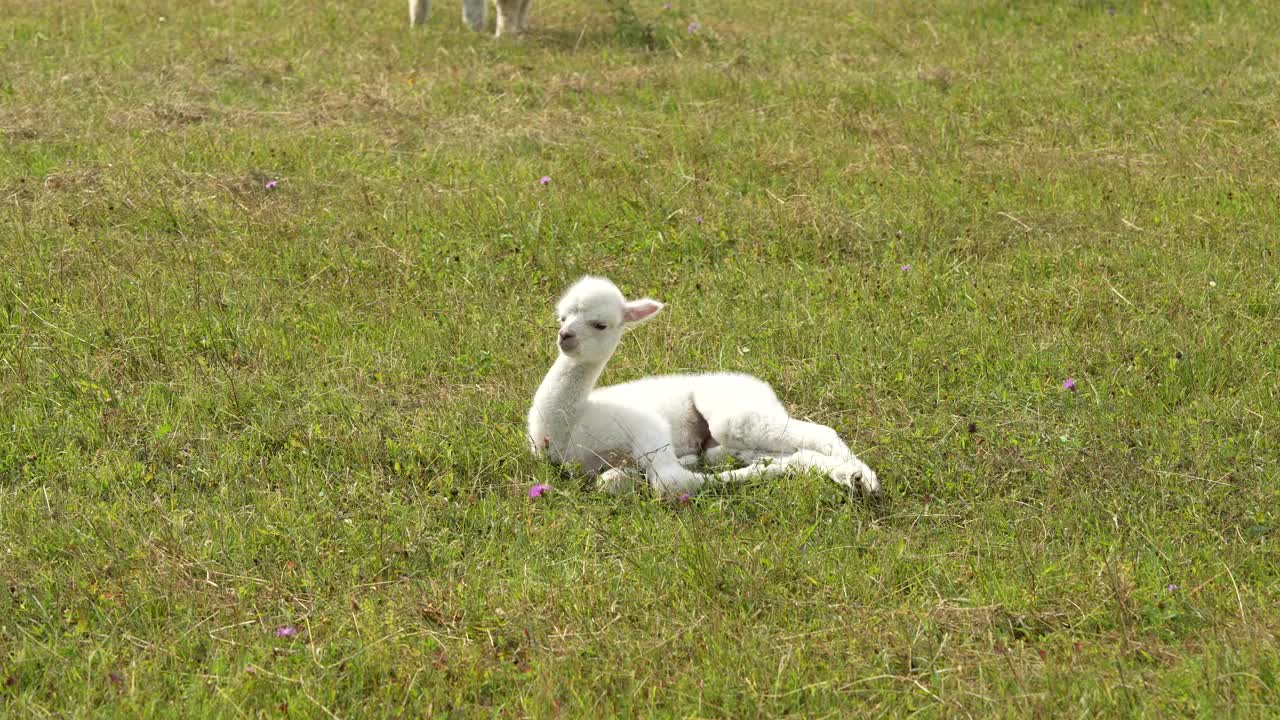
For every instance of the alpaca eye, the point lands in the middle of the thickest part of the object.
(599, 326)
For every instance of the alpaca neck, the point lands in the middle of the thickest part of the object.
(560, 401)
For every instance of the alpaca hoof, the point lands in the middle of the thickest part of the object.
(855, 475)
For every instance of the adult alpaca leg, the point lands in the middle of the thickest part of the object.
(522, 17)
(419, 11)
(508, 18)
(473, 13)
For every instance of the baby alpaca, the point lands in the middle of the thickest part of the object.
(665, 426)
(513, 15)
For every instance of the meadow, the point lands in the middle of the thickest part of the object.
(277, 279)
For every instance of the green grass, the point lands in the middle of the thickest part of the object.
(226, 409)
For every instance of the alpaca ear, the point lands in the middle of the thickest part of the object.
(637, 311)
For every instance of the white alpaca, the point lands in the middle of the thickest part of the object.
(664, 426)
(513, 15)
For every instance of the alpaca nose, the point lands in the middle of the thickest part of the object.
(566, 335)
(568, 341)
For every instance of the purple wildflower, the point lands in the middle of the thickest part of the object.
(544, 180)
(537, 490)
(286, 631)
(1069, 384)
(1171, 587)
(693, 26)
(906, 267)
(684, 499)
(666, 6)
(698, 219)
(272, 184)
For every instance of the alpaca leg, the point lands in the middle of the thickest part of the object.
(473, 13)
(668, 477)
(616, 481)
(508, 18)
(419, 10)
(689, 462)
(522, 18)
(769, 430)
(720, 454)
(850, 472)
(822, 449)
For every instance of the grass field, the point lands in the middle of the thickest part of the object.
(277, 287)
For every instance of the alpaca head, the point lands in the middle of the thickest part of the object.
(593, 314)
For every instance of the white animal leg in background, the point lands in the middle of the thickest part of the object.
(508, 18)
(473, 13)
(419, 11)
(522, 17)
